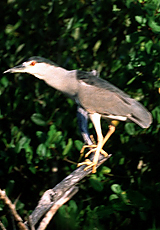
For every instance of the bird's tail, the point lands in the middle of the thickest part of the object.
(140, 115)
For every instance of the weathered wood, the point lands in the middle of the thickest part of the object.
(11, 206)
(51, 196)
(66, 197)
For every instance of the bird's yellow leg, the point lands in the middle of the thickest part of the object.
(93, 163)
(100, 146)
(110, 132)
(87, 161)
(98, 150)
(93, 150)
(87, 146)
(83, 148)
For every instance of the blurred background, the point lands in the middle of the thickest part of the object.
(38, 125)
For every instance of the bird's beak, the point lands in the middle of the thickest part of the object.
(17, 69)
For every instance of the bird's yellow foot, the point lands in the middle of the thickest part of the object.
(89, 165)
(87, 146)
(94, 150)
(83, 148)
(93, 163)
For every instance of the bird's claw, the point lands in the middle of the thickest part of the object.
(93, 149)
(83, 148)
(105, 154)
(87, 146)
(89, 165)
(93, 163)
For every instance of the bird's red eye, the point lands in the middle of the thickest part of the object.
(33, 63)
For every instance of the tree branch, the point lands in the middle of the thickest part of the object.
(66, 197)
(2, 226)
(11, 206)
(52, 197)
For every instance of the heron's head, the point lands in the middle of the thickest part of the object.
(36, 66)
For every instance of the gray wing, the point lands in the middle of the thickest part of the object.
(96, 95)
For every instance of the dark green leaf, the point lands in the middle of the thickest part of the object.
(38, 119)
(105, 170)
(130, 128)
(68, 147)
(22, 143)
(78, 144)
(141, 20)
(41, 150)
(156, 114)
(97, 185)
(113, 197)
(116, 188)
(154, 25)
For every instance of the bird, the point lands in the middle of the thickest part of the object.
(95, 97)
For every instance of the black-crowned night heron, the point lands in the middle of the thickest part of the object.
(95, 97)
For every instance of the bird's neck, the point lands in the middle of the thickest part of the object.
(62, 80)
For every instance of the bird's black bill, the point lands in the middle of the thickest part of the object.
(16, 69)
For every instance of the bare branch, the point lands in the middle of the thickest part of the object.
(66, 197)
(12, 208)
(2, 226)
(51, 200)
(52, 196)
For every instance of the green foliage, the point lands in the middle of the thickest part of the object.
(38, 126)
